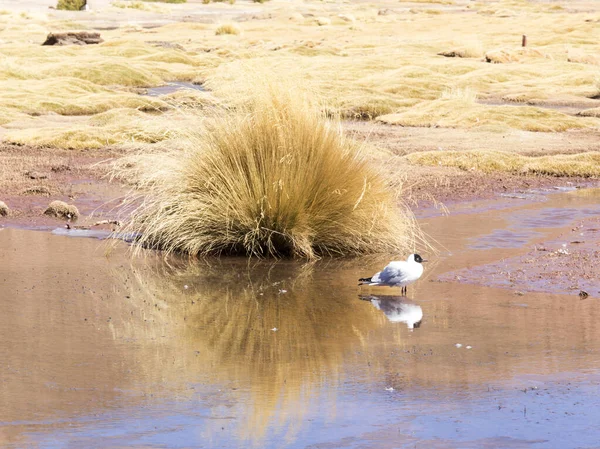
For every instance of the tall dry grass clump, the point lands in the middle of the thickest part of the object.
(273, 178)
(71, 5)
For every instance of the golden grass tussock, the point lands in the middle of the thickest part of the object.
(464, 112)
(70, 96)
(228, 28)
(114, 127)
(579, 56)
(592, 112)
(71, 5)
(60, 209)
(4, 209)
(582, 164)
(466, 49)
(275, 178)
(506, 55)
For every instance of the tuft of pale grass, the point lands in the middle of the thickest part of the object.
(228, 28)
(466, 49)
(113, 127)
(487, 161)
(4, 209)
(581, 57)
(464, 95)
(461, 111)
(71, 5)
(507, 55)
(275, 178)
(60, 209)
(592, 112)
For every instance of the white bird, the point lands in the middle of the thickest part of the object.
(398, 273)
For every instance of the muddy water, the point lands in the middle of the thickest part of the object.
(97, 350)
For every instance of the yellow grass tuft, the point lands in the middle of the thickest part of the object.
(69, 96)
(592, 112)
(274, 179)
(60, 209)
(228, 28)
(582, 164)
(507, 55)
(579, 56)
(114, 127)
(71, 5)
(4, 209)
(463, 112)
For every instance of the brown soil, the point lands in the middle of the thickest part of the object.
(31, 178)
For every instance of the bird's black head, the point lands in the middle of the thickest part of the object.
(418, 258)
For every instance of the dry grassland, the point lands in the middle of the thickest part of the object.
(364, 61)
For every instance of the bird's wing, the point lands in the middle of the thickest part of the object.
(393, 273)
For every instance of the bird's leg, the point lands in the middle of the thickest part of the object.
(404, 290)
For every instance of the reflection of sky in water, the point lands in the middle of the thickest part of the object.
(521, 226)
(551, 416)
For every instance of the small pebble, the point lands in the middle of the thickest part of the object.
(458, 345)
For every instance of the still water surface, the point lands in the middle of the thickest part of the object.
(98, 350)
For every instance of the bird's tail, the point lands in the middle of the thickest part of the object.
(363, 281)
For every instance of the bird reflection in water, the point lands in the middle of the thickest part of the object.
(397, 309)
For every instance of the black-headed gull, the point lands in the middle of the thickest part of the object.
(398, 273)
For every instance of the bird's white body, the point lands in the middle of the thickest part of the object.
(398, 273)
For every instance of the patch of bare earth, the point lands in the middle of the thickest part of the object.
(569, 264)
(33, 177)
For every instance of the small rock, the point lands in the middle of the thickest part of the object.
(347, 18)
(452, 54)
(583, 294)
(469, 347)
(166, 44)
(4, 209)
(60, 209)
(323, 21)
(35, 175)
(458, 345)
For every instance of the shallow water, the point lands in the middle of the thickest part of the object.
(171, 87)
(98, 350)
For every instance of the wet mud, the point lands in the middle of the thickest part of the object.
(101, 350)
